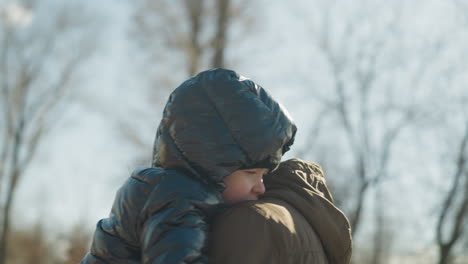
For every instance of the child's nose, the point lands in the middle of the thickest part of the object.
(259, 188)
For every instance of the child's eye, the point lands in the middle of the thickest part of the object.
(256, 172)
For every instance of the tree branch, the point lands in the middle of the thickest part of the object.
(219, 39)
(194, 50)
(461, 163)
(313, 135)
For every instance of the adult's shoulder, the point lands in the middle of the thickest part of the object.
(252, 221)
(238, 235)
(263, 231)
(270, 211)
(263, 219)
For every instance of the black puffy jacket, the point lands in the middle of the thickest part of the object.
(213, 124)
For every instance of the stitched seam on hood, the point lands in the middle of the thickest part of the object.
(212, 102)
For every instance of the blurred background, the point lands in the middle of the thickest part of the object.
(378, 90)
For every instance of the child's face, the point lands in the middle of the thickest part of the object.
(243, 185)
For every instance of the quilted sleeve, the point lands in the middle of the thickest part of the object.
(176, 219)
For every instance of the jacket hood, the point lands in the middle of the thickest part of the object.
(302, 185)
(218, 122)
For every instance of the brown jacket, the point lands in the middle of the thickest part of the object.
(294, 222)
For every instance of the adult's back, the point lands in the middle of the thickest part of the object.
(294, 222)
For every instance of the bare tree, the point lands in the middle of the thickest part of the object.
(36, 68)
(219, 39)
(454, 213)
(354, 54)
(453, 216)
(382, 236)
(374, 80)
(195, 29)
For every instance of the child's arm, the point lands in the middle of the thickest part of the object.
(175, 221)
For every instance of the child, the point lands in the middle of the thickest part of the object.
(218, 135)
